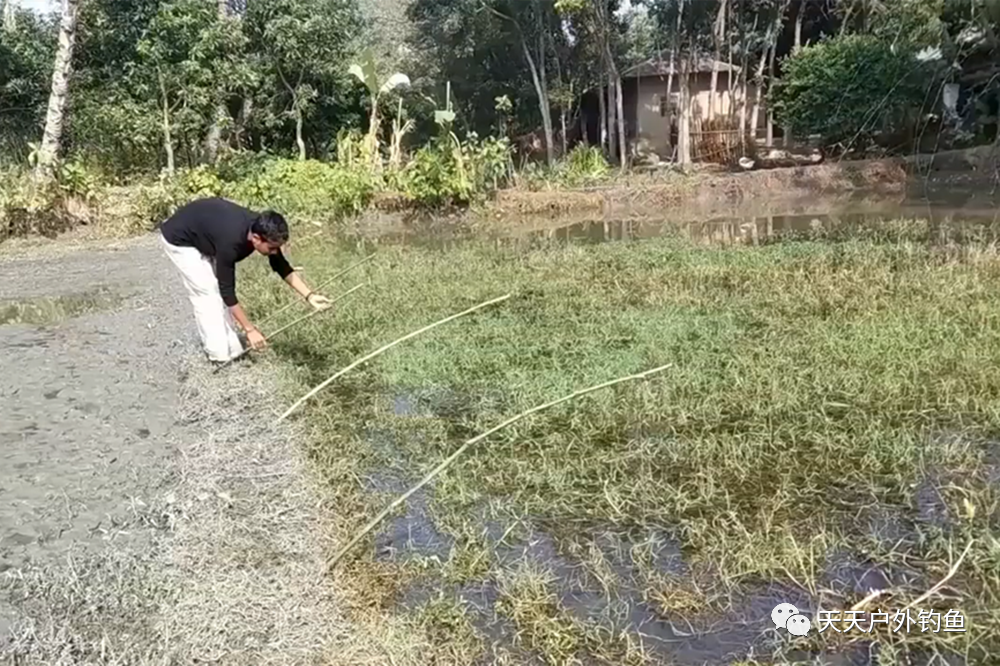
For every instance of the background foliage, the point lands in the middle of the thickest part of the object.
(268, 80)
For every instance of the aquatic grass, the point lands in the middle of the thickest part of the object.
(316, 389)
(817, 387)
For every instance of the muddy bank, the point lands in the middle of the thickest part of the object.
(714, 193)
(983, 160)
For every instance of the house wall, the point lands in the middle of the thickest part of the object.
(650, 121)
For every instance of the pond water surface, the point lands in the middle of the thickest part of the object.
(745, 628)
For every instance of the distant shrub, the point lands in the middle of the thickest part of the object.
(584, 164)
(309, 188)
(241, 165)
(201, 181)
(850, 88)
(28, 208)
(452, 172)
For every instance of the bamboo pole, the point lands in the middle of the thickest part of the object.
(385, 348)
(317, 288)
(951, 572)
(478, 438)
(294, 323)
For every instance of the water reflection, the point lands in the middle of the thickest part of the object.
(721, 222)
(754, 229)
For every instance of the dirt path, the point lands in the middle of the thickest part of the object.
(147, 514)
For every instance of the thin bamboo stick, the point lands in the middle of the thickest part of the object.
(288, 326)
(951, 572)
(478, 438)
(317, 288)
(385, 348)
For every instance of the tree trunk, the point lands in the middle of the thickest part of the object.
(798, 26)
(562, 128)
(547, 117)
(786, 139)
(243, 121)
(563, 110)
(612, 118)
(745, 83)
(684, 120)
(718, 31)
(622, 148)
(744, 94)
(543, 99)
(617, 114)
(48, 152)
(759, 80)
(9, 18)
(214, 136)
(602, 116)
(675, 56)
(537, 77)
(168, 141)
(616, 80)
(729, 78)
(670, 105)
(770, 113)
(770, 45)
(298, 133)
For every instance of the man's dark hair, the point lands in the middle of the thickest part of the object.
(271, 226)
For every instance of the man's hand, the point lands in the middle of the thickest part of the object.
(256, 339)
(318, 301)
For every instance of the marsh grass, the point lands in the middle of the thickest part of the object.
(832, 410)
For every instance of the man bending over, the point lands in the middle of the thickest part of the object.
(204, 239)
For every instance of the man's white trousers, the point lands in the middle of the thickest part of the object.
(215, 324)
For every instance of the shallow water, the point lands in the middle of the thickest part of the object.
(941, 208)
(715, 637)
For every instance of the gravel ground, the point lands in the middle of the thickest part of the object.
(148, 513)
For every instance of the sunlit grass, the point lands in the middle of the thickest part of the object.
(819, 388)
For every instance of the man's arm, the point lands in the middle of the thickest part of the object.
(296, 283)
(225, 271)
(281, 266)
(241, 317)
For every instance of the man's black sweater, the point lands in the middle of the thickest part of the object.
(220, 229)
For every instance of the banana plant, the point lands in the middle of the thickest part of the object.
(366, 71)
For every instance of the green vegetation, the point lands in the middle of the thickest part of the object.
(833, 409)
(159, 98)
(813, 99)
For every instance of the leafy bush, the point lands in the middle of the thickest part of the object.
(585, 164)
(437, 176)
(76, 179)
(28, 208)
(450, 172)
(153, 203)
(201, 181)
(850, 88)
(310, 189)
(241, 165)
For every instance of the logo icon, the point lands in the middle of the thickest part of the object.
(787, 616)
(798, 625)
